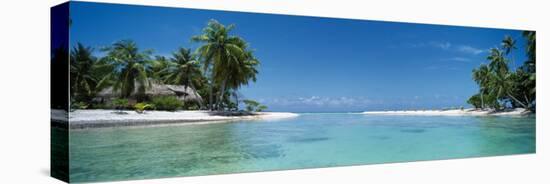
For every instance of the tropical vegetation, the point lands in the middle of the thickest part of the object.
(169, 103)
(216, 70)
(252, 105)
(141, 107)
(501, 84)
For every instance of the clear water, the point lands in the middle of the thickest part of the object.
(310, 140)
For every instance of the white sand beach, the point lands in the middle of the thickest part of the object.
(455, 112)
(108, 118)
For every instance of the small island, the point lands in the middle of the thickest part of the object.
(504, 89)
(129, 87)
(455, 112)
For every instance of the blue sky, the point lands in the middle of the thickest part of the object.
(311, 64)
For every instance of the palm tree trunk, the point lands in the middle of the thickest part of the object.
(526, 99)
(482, 104)
(210, 95)
(516, 100)
(222, 91)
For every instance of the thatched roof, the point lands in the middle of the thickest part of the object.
(183, 93)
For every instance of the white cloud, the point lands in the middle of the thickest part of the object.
(460, 59)
(445, 45)
(441, 45)
(441, 68)
(470, 49)
(319, 101)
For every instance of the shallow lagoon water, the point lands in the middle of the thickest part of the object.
(307, 141)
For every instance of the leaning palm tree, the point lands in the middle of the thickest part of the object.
(509, 44)
(131, 67)
(217, 49)
(502, 86)
(83, 81)
(182, 69)
(237, 71)
(238, 76)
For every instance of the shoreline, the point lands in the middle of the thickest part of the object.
(100, 118)
(454, 112)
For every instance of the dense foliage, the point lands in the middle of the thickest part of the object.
(502, 86)
(169, 103)
(252, 105)
(216, 70)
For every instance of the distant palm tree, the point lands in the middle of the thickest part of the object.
(218, 49)
(509, 44)
(82, 62)
(131, 67)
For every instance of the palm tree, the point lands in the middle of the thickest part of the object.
(502, 86)
(159, 67)
(83, 81)
(498, 62)
(131, 67)
(530, 36)
(236, 77)
(182, 70)
(529, 66)
(482, 75)
(509, 44)
(498, 85)
(235, 93)
(501, 83)
(218, 48)
(237, 71)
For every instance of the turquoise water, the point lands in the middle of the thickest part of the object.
(308, 141)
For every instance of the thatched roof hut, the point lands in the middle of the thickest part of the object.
(185, 94)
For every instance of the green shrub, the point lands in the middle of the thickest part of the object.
(252, 105)
(192, 107)
(79, 105)
(261, 108)
(141, 107)
(169, 103)
(101, 106)
(475, 101)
